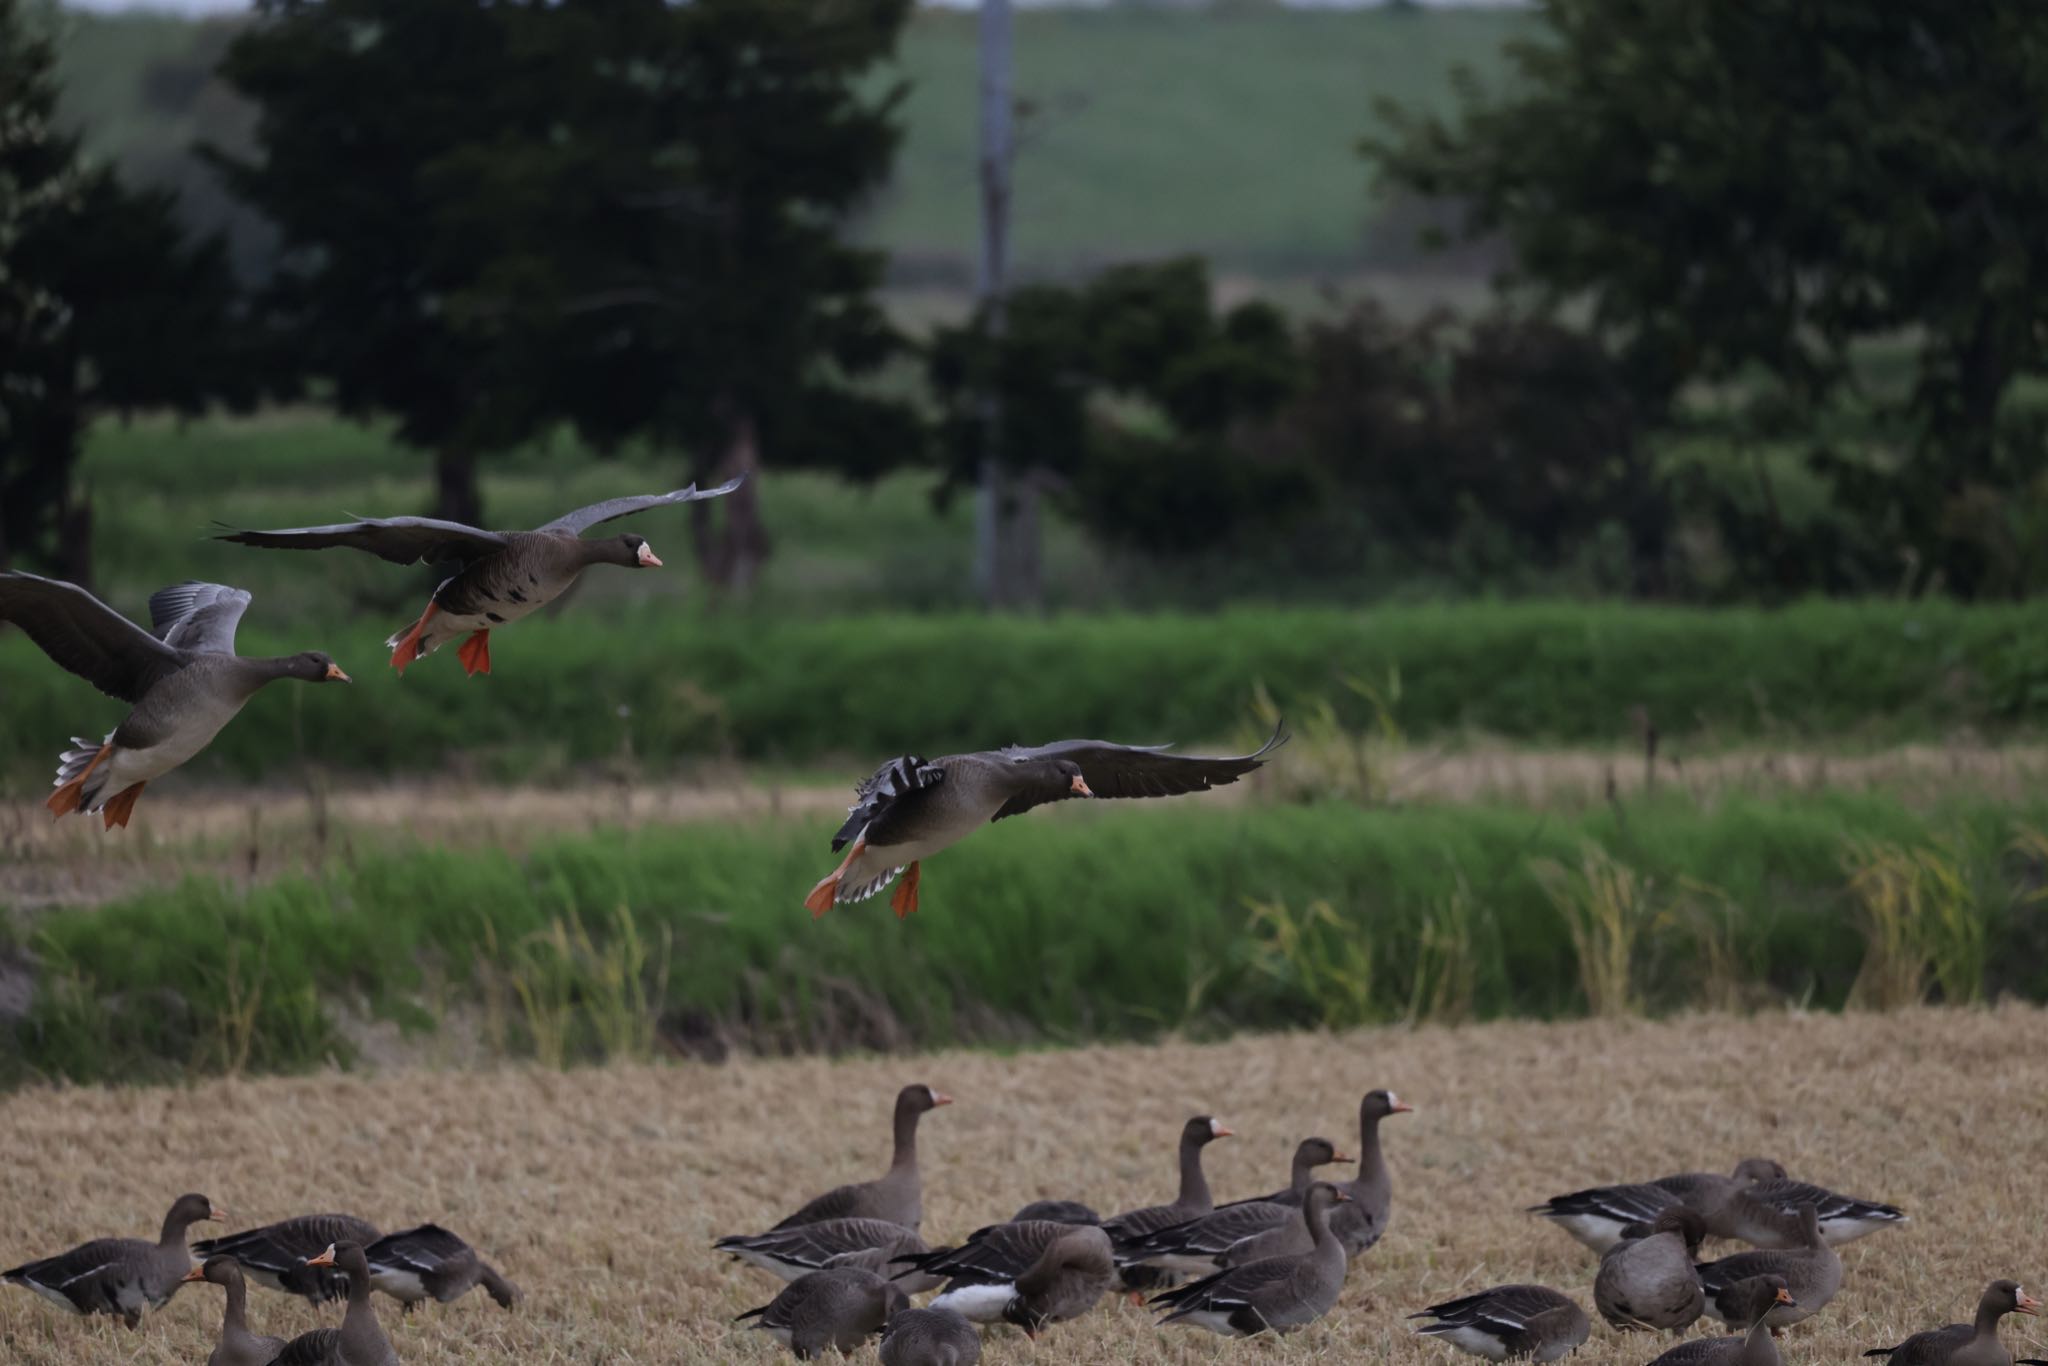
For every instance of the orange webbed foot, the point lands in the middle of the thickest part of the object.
(66, 799)
(826, 894)
(475, 654)
(905, 901)
(122, 805)
(407, 648)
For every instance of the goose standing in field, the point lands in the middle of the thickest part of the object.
(1756, 1300)
(238, 1346)
(1279, 1293)
(982, 1276)
(1510, 1323)
(1193, 1248)
(275, 1255)
(871, 1244)
(1649, 1279)
(182, 677)
(360, 1340)
(1760, 1215)
(1132, 1227)
(121, 1276)
(1812, 1272)
(430, 1263)
(912, 808)
(505, 575)
(929, 1337)
(828, 1310)
(1966, 1344)
(1358, 1224)
(897, 1196)
(1598, 1216)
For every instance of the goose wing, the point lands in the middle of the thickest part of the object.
(582, 519)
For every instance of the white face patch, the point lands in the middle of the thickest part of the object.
(1216, 1128)
(646, 555)
(1392, 1100)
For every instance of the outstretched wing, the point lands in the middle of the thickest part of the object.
(401, 540)
(84, 635)
(200, 617)
(582, 519)
(1135, 770)
(876, 794)
(425, 1249)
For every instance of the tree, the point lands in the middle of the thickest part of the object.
(104, 308)
(1731, 190)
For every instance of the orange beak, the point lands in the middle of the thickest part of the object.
(1341, 1197)
(1402, 1107)
(941, 1098)
(648, 558)
(1221, 1132)
(1343, 1157)
(216, 1212)
(335, 675)
(1784, 1295)
(1080, 787)
(2029, 1305)
(324, 1259)
(197, 1273)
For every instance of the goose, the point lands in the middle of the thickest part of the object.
(182, 677)
(1509, 1323)
(897, 1195)
(238, 1346)
(1193, 1247)
(1966, 1344)
(1756, 1215)
(1648, 1280)
(121, 1276)
(1598, 1216)
(1757, 1300)
(1127, 1230)
(981, 1275)
(360, 1340)
(1066, 1281)
(1058, 1212)
(1812, 1272)
(911, 808)
(505, 575)
(929, 1337)
(1279, 1294)
(828, 1310)
(803, 1248)
(430, 1263)
(1360, 1223)
(275, 1255)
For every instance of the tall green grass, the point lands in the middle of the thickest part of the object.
(1110, 923)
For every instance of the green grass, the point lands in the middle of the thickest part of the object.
(1133, 921)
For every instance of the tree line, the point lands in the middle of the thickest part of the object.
(1775, 288)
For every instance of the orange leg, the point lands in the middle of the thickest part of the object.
(64, 800)
(122, 805)
(475, 653)
(408, 647)
(827, 891)
(905, 901)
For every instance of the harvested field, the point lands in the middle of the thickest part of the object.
(601, 1190)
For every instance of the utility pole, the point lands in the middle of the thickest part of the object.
(1006, 504)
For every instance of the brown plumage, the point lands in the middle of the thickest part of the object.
(237, 1346)
(119, 1276)
(360, 1341)
(1127, 1231)
(430, 1263)
(1966, 1344)
(1648, 1279)
(898, 1194)
(275, 1255)
(828, 1310)
(1752, 1302)
(1279, 1294)
(1812, 1272)
(1194, 1247)
(1510, 1323)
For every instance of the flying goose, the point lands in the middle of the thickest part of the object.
(1812, 1272)
(1966, 1344)
(275, 1255)
(897, 1195)
(1510, 1323)
(871, 1244)
(828, 1310)
(238, 1346)
(929, 1337)
(1648, 1280)
(1755, 1301)
(1194, 1247)
(121, 1276)
(360, 1340)
(1279, 1293)
(430, 1263)
(1132, 1227)
(911, 808)
(1757, 1215)
(505, 575)
(182, 677)
(1598, 1216)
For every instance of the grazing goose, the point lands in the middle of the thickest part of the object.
(897, 1195)
(912, 808)
(238, 1346)
(1757, 1299)
(1757, 1215)
(505, 575)
(360, 1340)
(430, 1263)
(871, 1244)
(182, 677)
(1598, 1216)
(275, 1255)
(1812, 1272)
(828, 1310)
(981, 1274)
(1065, 1282)
(1966, 1344)
(1193, 1248)
(1280, 1293)
(929, 1337)
(121, 1276)
(1058, 1212)
(1648, 1280)
(1510, 1323)
(1132, 1227)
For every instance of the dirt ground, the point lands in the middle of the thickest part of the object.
(601, 1191)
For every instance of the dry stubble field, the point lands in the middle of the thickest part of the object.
(600, 1191)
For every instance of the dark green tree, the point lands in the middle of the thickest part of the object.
(1753, 188)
